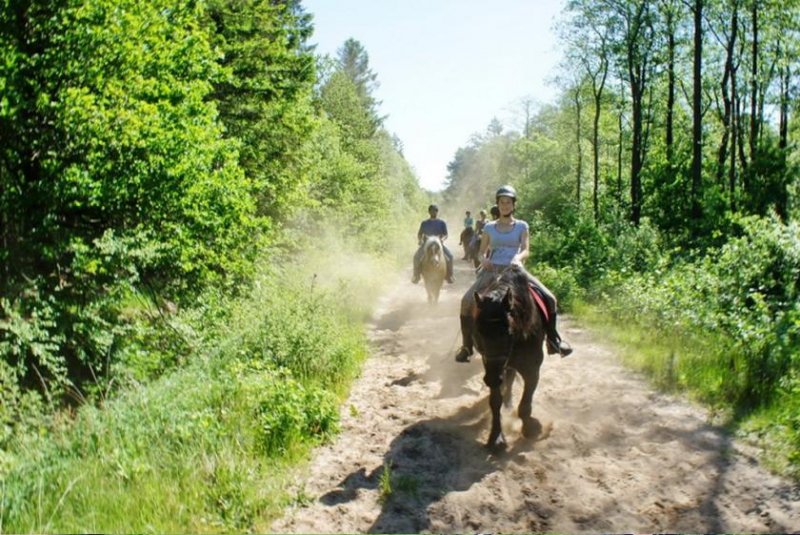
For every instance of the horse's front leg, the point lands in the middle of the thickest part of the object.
(530, 426)
(496, 439)
(508, 386)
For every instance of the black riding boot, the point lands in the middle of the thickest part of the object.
(554, 342)
(465, 353)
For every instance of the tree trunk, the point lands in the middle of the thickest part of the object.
(597, 90)
(697, 113)
(782, 204)
(783, 123)
(596, 159)
(636, 154)
(578, 135)
(754, 85)
(669, 140)
(735, 105)
(639, 41)
(727, 106)
(619, 161)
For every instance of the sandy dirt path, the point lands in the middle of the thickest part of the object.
(614, 456)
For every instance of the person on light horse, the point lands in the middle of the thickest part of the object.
(507, 242)
(433, 226)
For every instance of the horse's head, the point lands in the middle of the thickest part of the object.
(433, 249)
(493, 334)
(504, 312)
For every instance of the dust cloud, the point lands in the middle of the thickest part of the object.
(613, 455)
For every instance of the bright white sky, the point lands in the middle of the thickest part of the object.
(446, 67)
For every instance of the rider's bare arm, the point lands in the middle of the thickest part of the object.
(524, 250)
(484, 246)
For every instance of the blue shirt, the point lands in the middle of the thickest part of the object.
(432, 227)
(506, 244)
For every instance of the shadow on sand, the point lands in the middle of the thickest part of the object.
(427, 461)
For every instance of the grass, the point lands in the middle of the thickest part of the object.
(164, 459)
(385, 489)
(389, 484)
(207, 448)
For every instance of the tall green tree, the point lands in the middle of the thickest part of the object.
(114, 174)
(263, 93)
(589, 47)
(353, 60)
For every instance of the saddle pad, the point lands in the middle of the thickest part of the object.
(539, 300)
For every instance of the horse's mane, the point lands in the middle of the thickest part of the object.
(522, 317)
(430, 242)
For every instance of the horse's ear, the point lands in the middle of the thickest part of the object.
(478, 299)
(507, 299)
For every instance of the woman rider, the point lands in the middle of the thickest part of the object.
(507, 240)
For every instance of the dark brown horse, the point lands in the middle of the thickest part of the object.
(464, 240)
(509, 332)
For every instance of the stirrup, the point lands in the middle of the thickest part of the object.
(464, 354)
(560, 347)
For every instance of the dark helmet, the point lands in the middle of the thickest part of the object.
(433, 207)
(495, 211)
(506, 191)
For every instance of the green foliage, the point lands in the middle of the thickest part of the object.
(361, 175)
(561, 282)
(313, 414)
(737, 309)
(195, 458)
(115, 178)
(182, 458)
(150, 154)
(263, 94)
(478, 169)
(588, 251)
(300, 328)
(725, 326)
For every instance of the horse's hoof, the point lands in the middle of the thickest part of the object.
(497, 444)
(531, 427)
(463, 355)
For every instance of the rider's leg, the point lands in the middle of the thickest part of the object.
(554, 342)
(417, 265)
(465, 351)
(448, 256)
(465, 316)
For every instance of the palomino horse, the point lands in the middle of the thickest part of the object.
(509, 332)
(433, 267)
